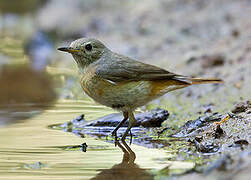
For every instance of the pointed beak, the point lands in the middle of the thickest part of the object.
(68, 49)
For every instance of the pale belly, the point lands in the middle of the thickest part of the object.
(122, 96)
(125, 96)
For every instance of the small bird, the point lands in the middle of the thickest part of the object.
(120, 82)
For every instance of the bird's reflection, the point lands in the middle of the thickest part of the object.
(127, 169)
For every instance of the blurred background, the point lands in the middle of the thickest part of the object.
(191, 37)
(198, 38)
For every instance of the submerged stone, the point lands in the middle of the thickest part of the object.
(153, 118)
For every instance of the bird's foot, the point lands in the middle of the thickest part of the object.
(124, 137)
(114, 133)
(116, 140)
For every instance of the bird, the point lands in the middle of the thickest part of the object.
(120, 82)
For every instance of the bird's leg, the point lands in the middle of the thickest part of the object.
(114, 132)
(130, 136)
(132, 120)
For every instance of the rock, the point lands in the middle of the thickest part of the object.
(153, 118)
(191, 127)
(209, 61)
(235, 33)
(206, 147)
(83, 147)
(208, 110)
(218, 132)
(240, 143)
(103, 127)
(79, 120)
(34, 166)
(242, 107)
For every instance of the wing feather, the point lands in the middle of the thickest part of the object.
(121, 68)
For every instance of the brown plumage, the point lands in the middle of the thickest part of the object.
(120, 82)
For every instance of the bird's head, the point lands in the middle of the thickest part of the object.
(85, 51)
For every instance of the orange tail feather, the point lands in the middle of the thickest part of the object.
(205, 80)
(190, 81)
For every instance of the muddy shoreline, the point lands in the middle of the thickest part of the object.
(219, 144)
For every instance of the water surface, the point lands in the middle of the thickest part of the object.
(31, 150)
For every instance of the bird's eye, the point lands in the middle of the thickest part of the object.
(88, 47)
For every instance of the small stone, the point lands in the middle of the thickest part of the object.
(78, 119)
(199, 138)
(193, 127)
(242, 142)
(208, 110)
(241, 107)
(218, 132)
(83, 147)
(238, 85)
(209, 61)
(206, 147)
(235, 33)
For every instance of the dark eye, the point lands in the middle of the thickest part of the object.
(88, 47)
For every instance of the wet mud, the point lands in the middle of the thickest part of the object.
(218, 142)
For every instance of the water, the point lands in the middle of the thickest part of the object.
(31, 150)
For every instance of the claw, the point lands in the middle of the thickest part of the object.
(114, 133)
(123, 139)
(116, 141)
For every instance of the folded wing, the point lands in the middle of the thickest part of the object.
(122, 68)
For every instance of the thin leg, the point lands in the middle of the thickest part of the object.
(130, 136)
(132, 120)
(114, 132)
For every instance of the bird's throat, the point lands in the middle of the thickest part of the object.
(82, 62)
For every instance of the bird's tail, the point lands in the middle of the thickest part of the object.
(205, 80)
(191, 81)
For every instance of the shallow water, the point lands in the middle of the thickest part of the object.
(30, 150)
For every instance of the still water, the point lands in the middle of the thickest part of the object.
(31, 150)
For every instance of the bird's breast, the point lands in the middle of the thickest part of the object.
(91, 84)
(115, 95)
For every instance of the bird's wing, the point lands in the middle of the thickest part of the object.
(121, 68)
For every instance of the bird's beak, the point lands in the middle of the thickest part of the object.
(68, 49)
